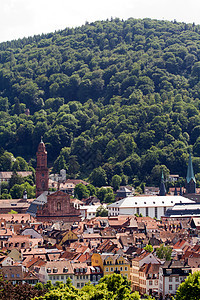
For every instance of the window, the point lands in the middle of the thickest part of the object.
(147, 211)
(165, 208)
(156, 212)
(170, 287)
(6, 275)
(126, 269)
(65, 270)
(138, 210)
(62, 277)
(106, 269)
(111, 269)
(94, 278)
(82, 284)
(177, 279)
(177, 285)
(170, 279)
(78, 285)
(12, 275)
(150, 282)
(121, 268)
(17, 275)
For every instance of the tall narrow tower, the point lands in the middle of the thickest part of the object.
(190, 179)
(162, 191)
(42, 172)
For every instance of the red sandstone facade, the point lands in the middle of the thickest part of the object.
(58, 208)
(42, 172)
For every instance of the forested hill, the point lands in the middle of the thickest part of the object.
(123, 95)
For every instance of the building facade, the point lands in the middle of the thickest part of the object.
(58, 207)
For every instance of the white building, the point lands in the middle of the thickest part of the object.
(89, 211)
(171, 275)
(152, 206)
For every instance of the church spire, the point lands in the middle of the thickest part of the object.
(162, 191)
(190, 172)
(190, 179)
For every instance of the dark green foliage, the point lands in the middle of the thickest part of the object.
(20, 291)
(120, 96)
(81, 191)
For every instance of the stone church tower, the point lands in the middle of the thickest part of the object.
(190, 179)
(42, 172)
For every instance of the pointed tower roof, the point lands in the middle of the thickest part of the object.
(162, 186)
(190, 172)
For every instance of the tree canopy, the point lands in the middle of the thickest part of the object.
(111, 97)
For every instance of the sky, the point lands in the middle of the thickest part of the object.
(23, 18)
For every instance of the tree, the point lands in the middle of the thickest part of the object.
(91, 189)
(98, 177)
(148, 248)
(190, 288)
(164, 252)
(116, 181)
(15, 179)
(19, 291)
(101, 211)
(81, 191)
(109, 197)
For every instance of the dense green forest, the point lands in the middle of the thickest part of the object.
(111, 97)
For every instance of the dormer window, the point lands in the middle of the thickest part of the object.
(55, 270)
(65, 270)
(48, 270)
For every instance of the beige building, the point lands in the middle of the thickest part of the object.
(138, 280)
(61, 270)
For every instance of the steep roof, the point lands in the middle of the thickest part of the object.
(190, 172)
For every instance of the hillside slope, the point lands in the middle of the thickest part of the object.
(123, 95)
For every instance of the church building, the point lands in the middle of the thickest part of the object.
(190, 179)
(50, 206)
(42, 172)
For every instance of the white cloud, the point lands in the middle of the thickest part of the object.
(19, 18)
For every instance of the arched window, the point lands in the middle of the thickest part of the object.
(58, 206)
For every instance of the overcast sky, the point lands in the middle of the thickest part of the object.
(23, 18)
